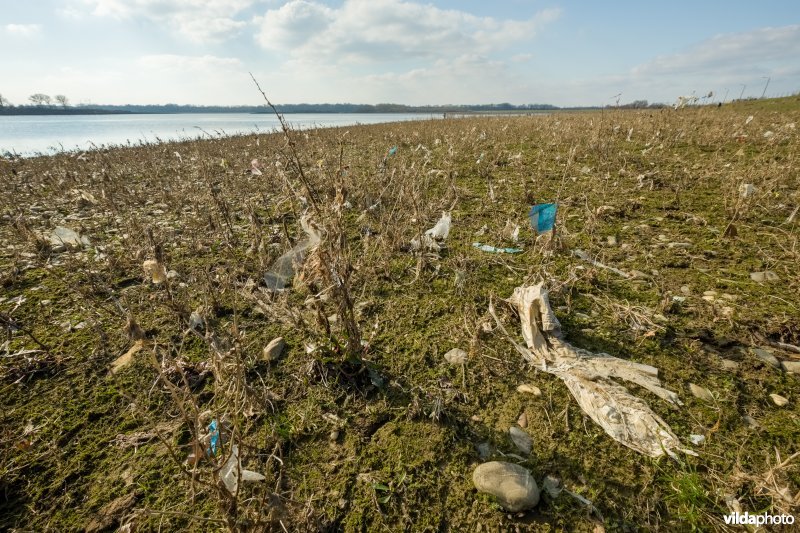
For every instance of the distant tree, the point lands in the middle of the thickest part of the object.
(39, 99)
(4, 101)
(61, 100)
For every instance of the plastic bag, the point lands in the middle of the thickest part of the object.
(282, 270)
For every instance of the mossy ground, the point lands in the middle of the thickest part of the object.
(397, 453)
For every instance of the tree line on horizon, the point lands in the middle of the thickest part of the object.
(44, 104)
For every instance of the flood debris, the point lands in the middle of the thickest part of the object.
(495, 250)
(588, 376)
(512, 485)
(583, 255)
(433, 238)
(456, 356)
(63, 238)
(232, 471)
(283, 269)
(155, 270)
(543, 217)
(125, 359)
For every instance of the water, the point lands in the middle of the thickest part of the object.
(31, 135)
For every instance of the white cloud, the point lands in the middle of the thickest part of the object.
(370, 31)
(23, 30)
(729, 53)
(196, 20)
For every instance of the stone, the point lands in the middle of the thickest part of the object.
(521, 440)
(529, 389)
(727, 364)
(274, 350)
(766, 356)
(512, 485)
(779, 400)
(456, 356)
(791, 366)
(701, 392)
(522, 421)
(762, 277)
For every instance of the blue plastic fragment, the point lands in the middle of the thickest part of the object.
(543, 217)
(393, 150)
(213, 429)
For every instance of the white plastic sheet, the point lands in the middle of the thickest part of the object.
(590, 378)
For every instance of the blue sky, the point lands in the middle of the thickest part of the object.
(372, 51)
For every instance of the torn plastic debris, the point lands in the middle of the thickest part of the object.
(232, 471)
(495, 250)
(432, 237)
(543, 217)
(155, 270)
(213, 438)
(624, 417)
(392, 150)
(283, 269)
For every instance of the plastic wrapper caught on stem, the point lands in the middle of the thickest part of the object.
(283, 269)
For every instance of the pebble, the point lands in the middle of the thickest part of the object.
(521, 439)
(611, 240)
(522, 421)
(727, 364)
(529, 389)
(701, 392)
(697, 439)
(779, 400)
(791, 366)
(274, 350)
(686, 290)
(766, 356)
(512, 485)
(761, 277)
(456, 356)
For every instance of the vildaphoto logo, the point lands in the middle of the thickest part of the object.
(758, 519)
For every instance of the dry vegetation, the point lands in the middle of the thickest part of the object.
(360, 424)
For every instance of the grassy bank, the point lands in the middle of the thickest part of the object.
(360, 424)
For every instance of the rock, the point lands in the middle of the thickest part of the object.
(522, 421)
(686, 290)
(274, 350)
(512, 485)
(779, 400)
(521, 440)
(766, 356)
(172, 274)
(746, 190)
(762, 277)
(456, 356)
(727, 364)
(529, 389)
(611, 240)
(791, 366)
(701, 392)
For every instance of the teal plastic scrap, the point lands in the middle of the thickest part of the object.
(543, 217)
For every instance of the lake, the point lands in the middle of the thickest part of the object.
(29, 135)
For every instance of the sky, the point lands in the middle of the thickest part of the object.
(565, 53)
